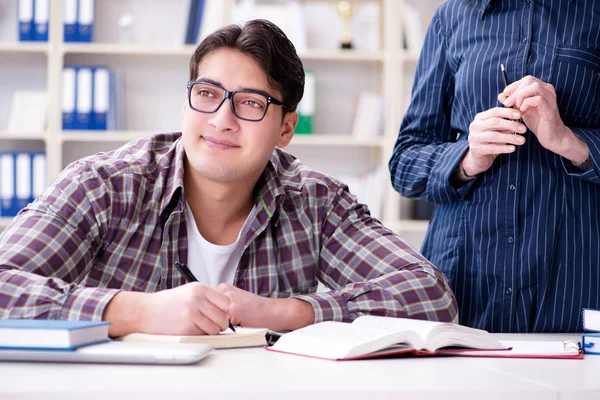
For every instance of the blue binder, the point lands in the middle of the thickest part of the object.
(84, 98)
(69, 98)
(7, 184)
(25, 20)
(70, 24)
(41, 13)
(85, 20)
(102, 97)
(23, 180)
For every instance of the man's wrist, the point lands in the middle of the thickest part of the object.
(295, 313)
(460, 176)
(575, 150)
(124, 312)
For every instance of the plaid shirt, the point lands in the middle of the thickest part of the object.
(116, 221)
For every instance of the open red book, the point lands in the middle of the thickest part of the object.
(372, 336)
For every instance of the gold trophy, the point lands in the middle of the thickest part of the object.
(345, 10)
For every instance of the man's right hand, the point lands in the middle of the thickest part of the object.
(491, 134)
(191, 309)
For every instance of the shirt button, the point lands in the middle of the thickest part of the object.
(512, 187)
(511, 239)
(524, 40)
(508, 291)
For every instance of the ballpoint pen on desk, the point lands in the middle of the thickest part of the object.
(190, 277)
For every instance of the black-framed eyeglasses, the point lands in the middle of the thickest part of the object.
(246, 104)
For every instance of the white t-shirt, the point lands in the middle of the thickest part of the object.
(212, 264)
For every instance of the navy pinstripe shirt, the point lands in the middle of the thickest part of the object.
(519, 243)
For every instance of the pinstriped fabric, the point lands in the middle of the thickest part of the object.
(520, 243)
(116, 221)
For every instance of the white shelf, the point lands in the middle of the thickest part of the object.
(128, 49)
(298, 139)
(22, 136)
(24, 47)
(188, 50)
(342, 55)
(102, 136)
(334, 140)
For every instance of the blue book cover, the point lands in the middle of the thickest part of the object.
(51, 334)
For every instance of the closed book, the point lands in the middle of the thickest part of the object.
(36, 334)
(242, 337)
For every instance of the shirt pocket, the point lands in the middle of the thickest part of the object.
(576, 77)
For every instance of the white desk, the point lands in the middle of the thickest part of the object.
(259, 374)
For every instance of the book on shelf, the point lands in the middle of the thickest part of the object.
(242, 337)
(368, 116)
(307, 106)
(288, 16)
(366, 186)
(28, 112)
(36, 334)
(374, 336)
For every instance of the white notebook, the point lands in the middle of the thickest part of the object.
(114, 352)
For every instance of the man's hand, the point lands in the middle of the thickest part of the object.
(251, 310)
(537, 102)
(191, 309)
(491, 134)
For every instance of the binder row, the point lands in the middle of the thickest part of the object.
(22, 179)
(33, 16)
(92, 98)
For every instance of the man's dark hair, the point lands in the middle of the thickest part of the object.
(269, 47)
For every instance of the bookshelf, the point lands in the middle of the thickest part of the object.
(157, 62)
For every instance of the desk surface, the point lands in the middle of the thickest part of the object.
(258, 374)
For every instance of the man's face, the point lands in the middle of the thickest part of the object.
(221, 147)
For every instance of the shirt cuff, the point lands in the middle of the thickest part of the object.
(86, 304)
(328, 306)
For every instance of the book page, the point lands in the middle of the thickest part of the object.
(339, 340)
(434, 335)
(389, 324)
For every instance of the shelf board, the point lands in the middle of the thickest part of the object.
(102, 136)
(24, 47)
(334, 140)
(22, 136)
(407, 225)
(341, 55)
(128, 49)
(298, 139)
(188, 50)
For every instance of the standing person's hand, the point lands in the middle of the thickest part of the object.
(537, 102)
(251, 310)
(191, 309)
(491, 134)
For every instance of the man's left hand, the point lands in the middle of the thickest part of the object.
(250, 310)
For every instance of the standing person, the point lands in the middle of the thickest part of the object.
(124, 236)
(517, 225)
